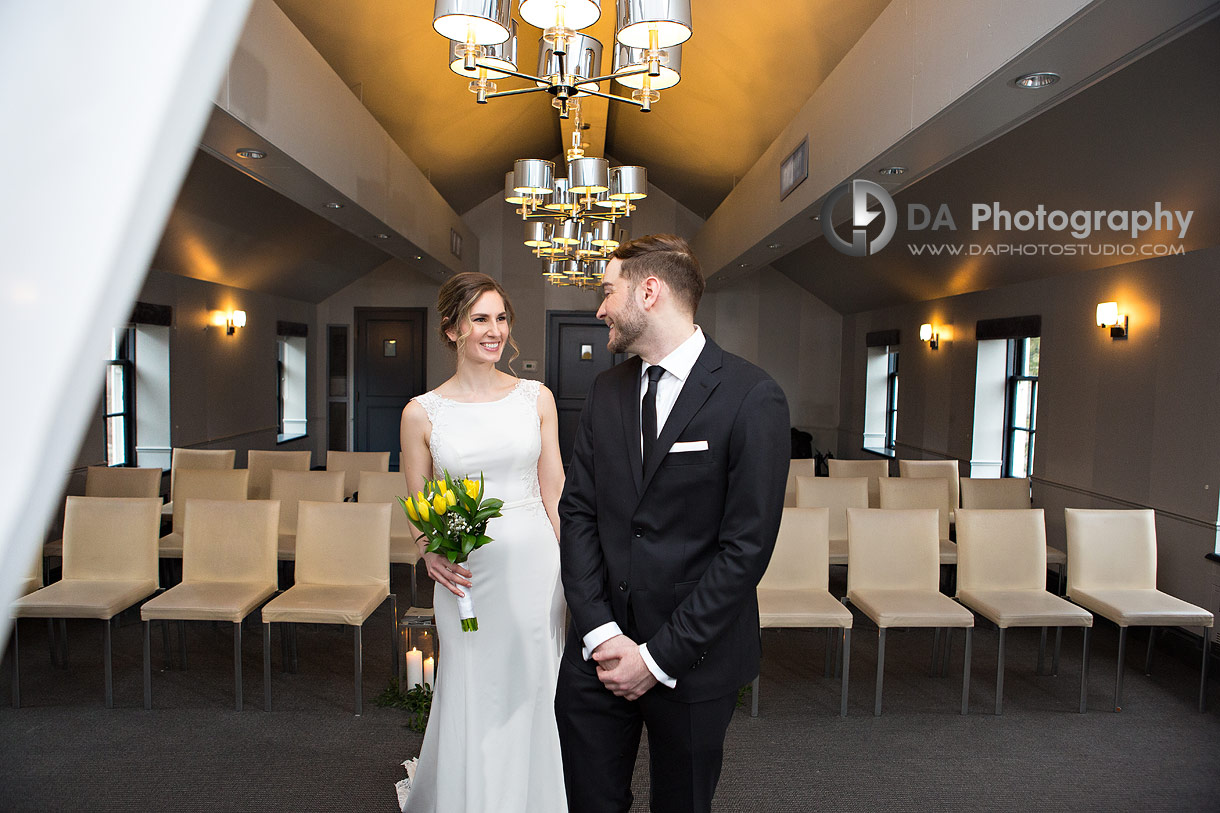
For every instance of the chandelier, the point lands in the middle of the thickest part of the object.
(647, 50)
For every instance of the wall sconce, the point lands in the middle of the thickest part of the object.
(926, 334)
(1108, 316)
(235, 320)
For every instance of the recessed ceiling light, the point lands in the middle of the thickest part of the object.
(419, 256)
(774, 246)
(892, 170)
(251, 153)
(382, 236)
(331, 204)
(1036, 81)
(743, 265)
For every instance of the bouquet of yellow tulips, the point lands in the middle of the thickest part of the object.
(453, 514)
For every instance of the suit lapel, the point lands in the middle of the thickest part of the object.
(695, 392)
(629, 402)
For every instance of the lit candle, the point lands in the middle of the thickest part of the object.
(415, 671)
(429, 671)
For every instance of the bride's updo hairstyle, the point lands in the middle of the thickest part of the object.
(457, 296)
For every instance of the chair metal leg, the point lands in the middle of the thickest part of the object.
(1203, 671)
(846, 669)
(1042, 653)
(944, 664)
(1055, 656)
(16, 669)
(52, 644)
(1122, 656)
(106, 640)
(63, 643)
(754, 697)
(165, 657)
(828, 664)
(966, 672)
(266, 666)
(394, 634)
(880, 670)
(1062, 577)
(147, 665)
(237, 662)
(359, 675)
(999, 676)
(1148, 657)
(1084, 670)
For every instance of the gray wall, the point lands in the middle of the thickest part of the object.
(1120, 423)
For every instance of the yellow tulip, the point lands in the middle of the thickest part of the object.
(409, 504)
(472, 488)
(451, 498)
(441, 487)
(439, 505)
(423, 507)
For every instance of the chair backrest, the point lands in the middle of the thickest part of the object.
(874, 470)
(231, 541)
(261, 463)
(343, 543)
(944, 469)
(838, 494)
(111, 538)
(897, 492)
(1114, 549)
(387, 486)
(121, 481)
(290, 487)
(198, 459)
(801, 560)
(207, 484)
(33, 579)
(892, 549)
(1001, 549)
(1002, 492)
(352, 463)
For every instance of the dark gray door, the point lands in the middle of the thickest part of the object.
(575, 352)
(390, 371)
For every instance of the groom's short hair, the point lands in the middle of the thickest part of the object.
(668, 258)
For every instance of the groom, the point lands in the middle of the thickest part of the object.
(668, 518)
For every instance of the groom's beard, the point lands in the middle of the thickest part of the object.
(628, 327)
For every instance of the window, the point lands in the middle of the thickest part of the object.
(118, 410)
(881, 392)
(290, 386)
(891, 398)
(1022, 410)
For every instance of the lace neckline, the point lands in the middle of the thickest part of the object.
(505, 397)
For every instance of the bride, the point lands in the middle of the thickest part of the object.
(491, 742)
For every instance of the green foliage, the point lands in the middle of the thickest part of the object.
(743, 695)
(416, 701)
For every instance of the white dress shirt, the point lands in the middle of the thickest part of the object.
(677, 367)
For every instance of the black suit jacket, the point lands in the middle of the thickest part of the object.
(674, 553)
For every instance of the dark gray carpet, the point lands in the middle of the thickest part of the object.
(64, 751)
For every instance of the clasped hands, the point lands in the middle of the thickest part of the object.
(621, 668)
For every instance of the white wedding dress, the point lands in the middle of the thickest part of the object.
(492, 744)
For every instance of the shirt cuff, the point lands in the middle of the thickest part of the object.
(657, 671)
(599, 636)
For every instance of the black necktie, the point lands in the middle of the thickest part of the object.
(648, 412)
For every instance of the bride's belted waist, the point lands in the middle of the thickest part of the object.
(528, 502)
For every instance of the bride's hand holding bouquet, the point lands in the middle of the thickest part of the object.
(452, 516)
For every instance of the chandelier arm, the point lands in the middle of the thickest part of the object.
(609, 76)
(517, 74)
(516, 92)
(606, 95)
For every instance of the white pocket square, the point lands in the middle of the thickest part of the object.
(689, 446)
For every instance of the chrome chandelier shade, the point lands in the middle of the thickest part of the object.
(647, 50)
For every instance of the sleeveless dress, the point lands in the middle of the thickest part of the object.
(492, 744)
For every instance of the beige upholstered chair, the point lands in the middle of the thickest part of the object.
(110, 564)
(893, 578)
(838, 494)
(943, 469)
(228, 570)
(32, 580)
(874, 470)
(1113, 574)
(201, 484)
(195, 459)
(117, 481)
(1005, 493)
(261, 463)
(794, 591)
(352, 463)
(342, 576)
(387, 487)
(797, 467)
(290, 487)
(900, 493)
(1001, 575)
